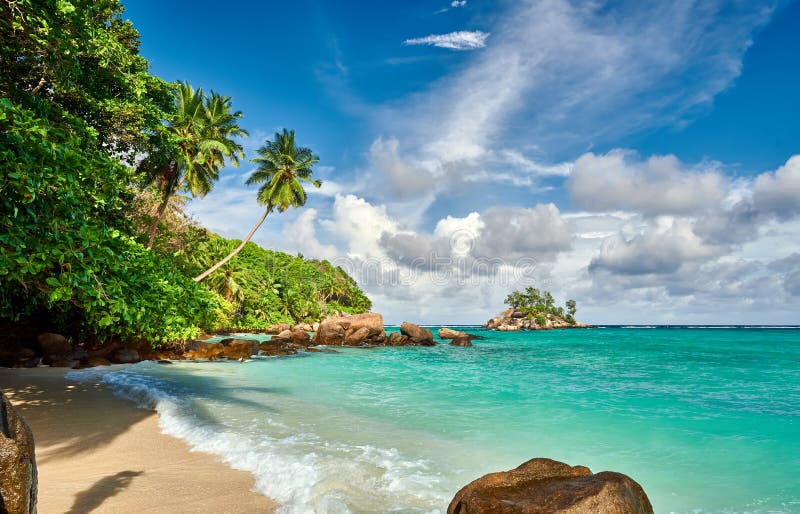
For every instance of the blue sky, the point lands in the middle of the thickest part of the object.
(634, 156)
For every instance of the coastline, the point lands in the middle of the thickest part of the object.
(98, 453)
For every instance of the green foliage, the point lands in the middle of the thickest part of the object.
(571, 308)
(76, 98)
(282, 168)
(66, 247)
(537, 304)
(274, 287)
(540, 318)
(81, 58)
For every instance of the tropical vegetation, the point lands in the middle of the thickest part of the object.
(537, 304)
(97, 160)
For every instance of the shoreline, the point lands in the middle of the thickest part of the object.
(96, 452)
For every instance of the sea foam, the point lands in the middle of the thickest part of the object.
(300, 471)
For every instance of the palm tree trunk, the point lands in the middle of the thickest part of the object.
(231, 255)
(151, 234)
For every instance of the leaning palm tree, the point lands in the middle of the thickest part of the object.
(193, 148)
(282, 169)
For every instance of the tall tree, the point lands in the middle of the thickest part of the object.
(193, 148)
(283, 167)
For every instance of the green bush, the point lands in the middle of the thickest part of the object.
(273, 287)
(66, 247)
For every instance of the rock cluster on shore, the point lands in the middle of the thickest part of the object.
(359, 330)
(511, 320)
(544, 486)
(18, 476)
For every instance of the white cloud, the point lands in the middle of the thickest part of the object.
(535, 233)
(302, 234)
(405, 179)
(658, 185)
(459, 40)
(779, 192)
(458, 3)
(660, 249)
(359, 225)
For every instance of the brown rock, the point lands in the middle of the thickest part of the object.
(18, 476)
(98, 361)
(26, 358)
(333, 331)
(240, 349)
(398, 339)
(277, 329)
(275, 347)
(297, 337)
(300, 337)
(106, 350)
(448, 333)
(203, 350)
(356, 337)
(462, 340)
(125, 356)
(305, 327)
(417, 334)
(53, 344)
(60, 362)
(543, 486)
(284, 336)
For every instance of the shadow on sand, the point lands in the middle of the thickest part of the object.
(88, 500)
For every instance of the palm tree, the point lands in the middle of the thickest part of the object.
(226, 284)
(193, 148)
(282, 169)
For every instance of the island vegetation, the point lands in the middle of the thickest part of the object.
(534, 309)
(97, 159)
(537, 304)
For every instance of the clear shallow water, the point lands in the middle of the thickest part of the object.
(707, 420)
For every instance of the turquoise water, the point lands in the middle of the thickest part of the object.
(707, 420)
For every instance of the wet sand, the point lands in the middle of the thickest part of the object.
(101, 454)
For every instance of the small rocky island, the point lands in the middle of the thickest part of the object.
(534, 309)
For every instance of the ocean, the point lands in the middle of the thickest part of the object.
(705, 419)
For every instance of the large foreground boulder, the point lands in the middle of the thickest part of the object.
(357, 330)
(543, 486)
(417, 334)
(18, 478)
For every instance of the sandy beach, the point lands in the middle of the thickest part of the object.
(98, 453)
